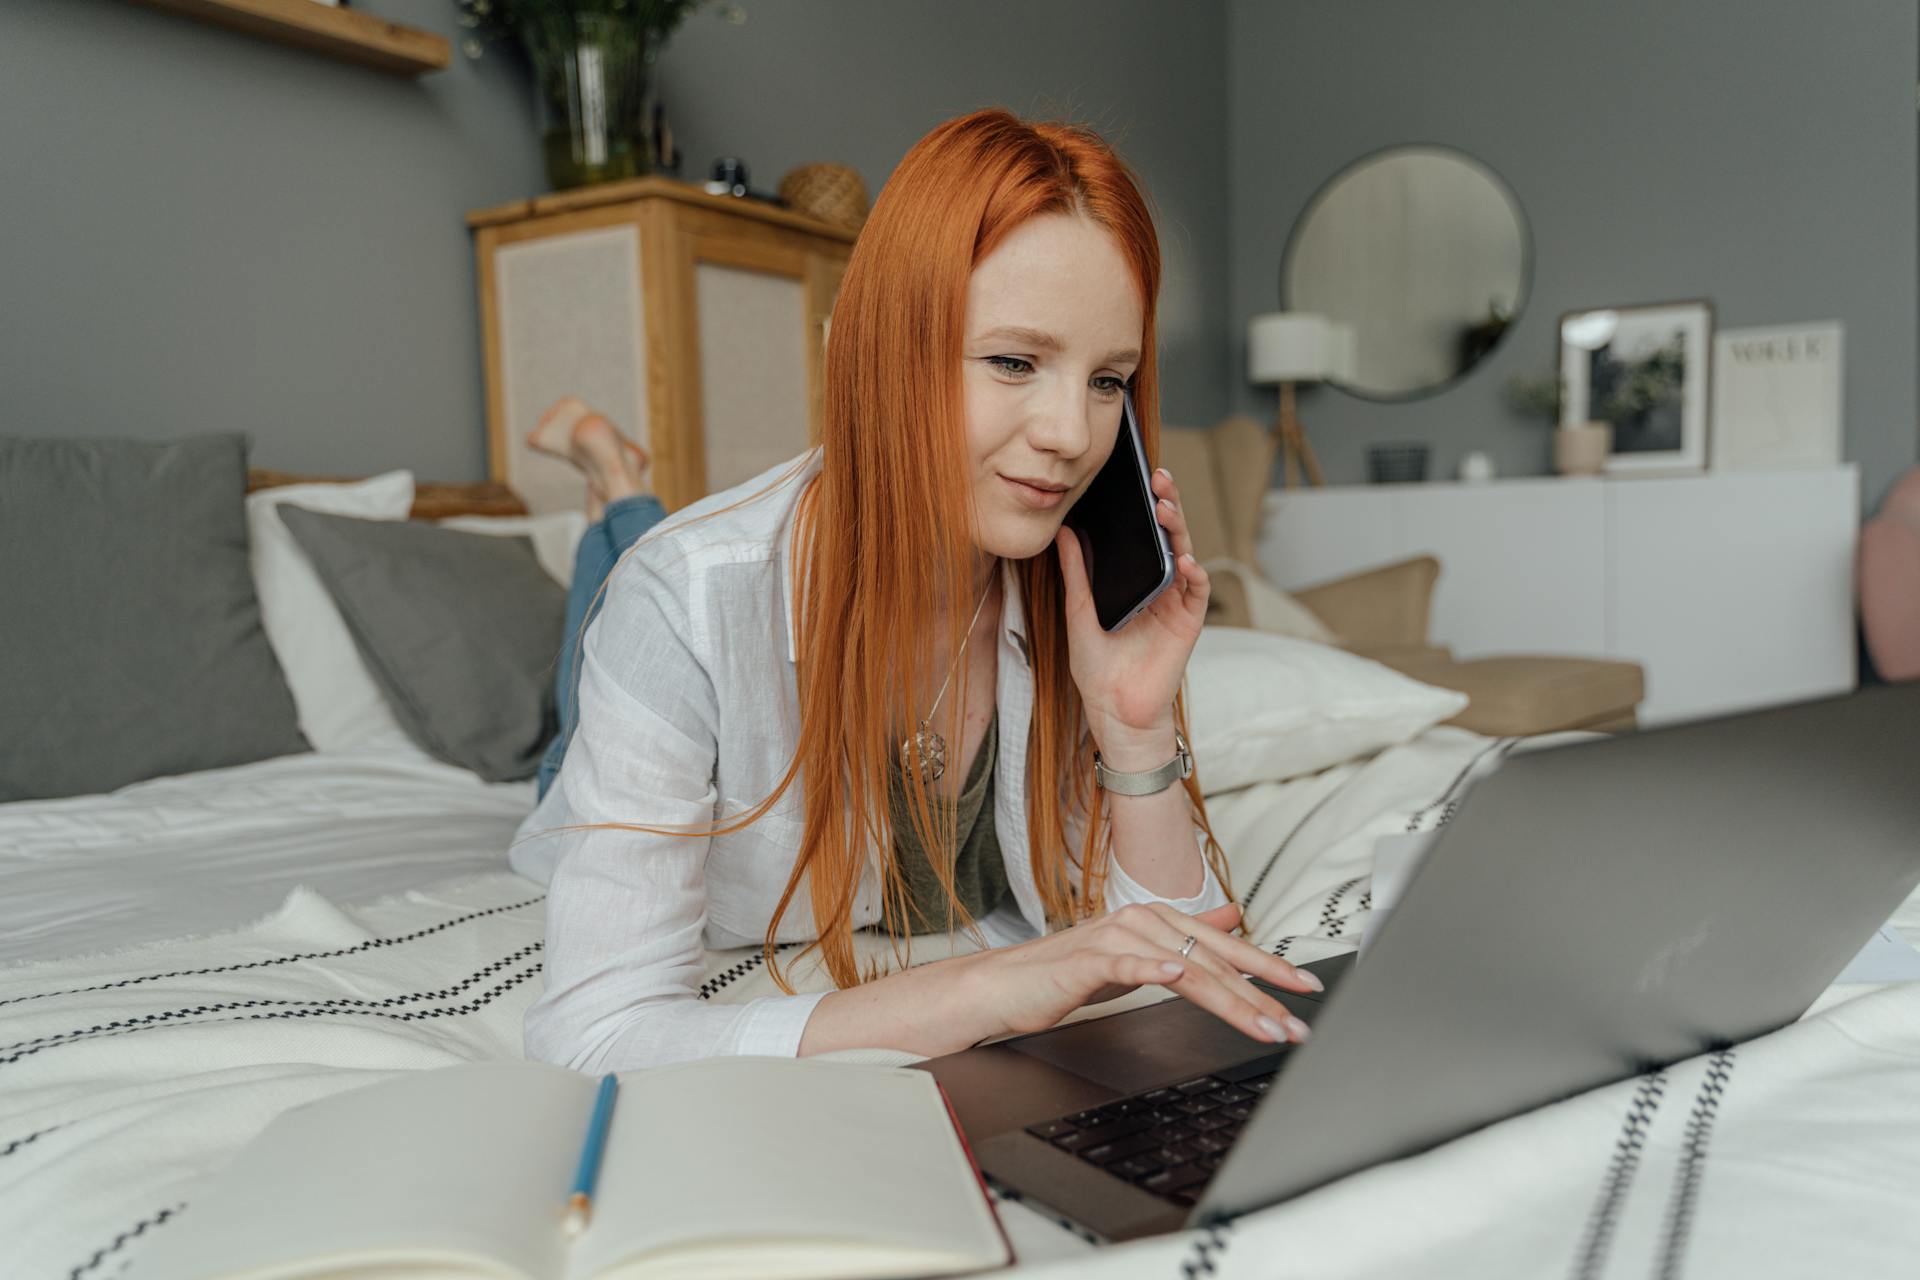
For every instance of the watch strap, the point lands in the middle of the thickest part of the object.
(1151, 781)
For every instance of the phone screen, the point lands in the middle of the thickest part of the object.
(1129, 559)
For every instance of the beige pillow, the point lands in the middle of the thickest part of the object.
(1252, 601)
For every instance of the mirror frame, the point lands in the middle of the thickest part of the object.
(1526, 260)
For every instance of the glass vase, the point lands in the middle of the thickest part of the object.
(592, 70)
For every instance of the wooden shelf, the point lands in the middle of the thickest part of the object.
(342, 33)
(655, 185)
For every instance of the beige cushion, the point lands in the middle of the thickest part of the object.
(1380, 610)
(1520, 695)
(1241, 596)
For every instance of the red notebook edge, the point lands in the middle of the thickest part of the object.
(1013, 1259)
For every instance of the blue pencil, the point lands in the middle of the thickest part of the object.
(580, 1204)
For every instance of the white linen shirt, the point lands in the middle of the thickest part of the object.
(688, 712)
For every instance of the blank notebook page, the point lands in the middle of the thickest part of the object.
(778, 1150)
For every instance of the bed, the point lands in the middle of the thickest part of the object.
(187, 956)
(126, 1073)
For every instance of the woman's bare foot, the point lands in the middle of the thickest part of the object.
(614, 465)
(551, 434)
(610, 459)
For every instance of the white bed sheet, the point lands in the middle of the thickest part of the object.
(211, 850)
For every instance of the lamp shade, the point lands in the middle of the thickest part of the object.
(1294, 346)
(1340, 348)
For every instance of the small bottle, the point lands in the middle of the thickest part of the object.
(729, 177)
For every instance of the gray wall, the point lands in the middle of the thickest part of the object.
(1757, 152)
(203, 230)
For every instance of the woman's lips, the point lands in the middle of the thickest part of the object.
(1038, 499)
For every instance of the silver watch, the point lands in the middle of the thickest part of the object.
(1178, 769)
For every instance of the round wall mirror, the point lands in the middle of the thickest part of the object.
(1423, 252)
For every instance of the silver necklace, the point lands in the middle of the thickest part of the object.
(928, 746)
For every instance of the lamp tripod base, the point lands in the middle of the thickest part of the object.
(1295, 451)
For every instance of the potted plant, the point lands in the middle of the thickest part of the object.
(592, 61)
(1579, 449)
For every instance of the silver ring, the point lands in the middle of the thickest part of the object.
(1188, 945)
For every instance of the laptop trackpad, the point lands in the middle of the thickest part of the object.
(1159, 1044)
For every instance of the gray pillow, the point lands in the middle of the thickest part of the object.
(130, 636)
(460, 630)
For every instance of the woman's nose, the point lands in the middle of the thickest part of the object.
(1062, 425)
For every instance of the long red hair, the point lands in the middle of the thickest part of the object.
(891, 511)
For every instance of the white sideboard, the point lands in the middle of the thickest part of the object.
(1732, 590)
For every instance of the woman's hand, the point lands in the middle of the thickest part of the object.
(1127, 678)
(1030, 986)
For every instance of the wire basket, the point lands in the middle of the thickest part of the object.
(1397, 463)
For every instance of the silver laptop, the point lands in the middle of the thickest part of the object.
(1591, 911)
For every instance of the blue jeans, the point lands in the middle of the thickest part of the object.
(625, 520)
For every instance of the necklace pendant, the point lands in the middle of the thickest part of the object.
(929, 750)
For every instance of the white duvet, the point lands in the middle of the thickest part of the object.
(205, 851)
(126, 1075)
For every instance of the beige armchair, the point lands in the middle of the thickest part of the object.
(1381, 613)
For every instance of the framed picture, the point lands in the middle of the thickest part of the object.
(1777, 396)
(1647, 371)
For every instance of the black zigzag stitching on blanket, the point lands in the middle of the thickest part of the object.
(1298, 827)
(1447, 797)
(299, 1009)
(1281, 947)
(727, 977)
(18, 1143)
(1613, 1189)
(1693, 1161)
(372, 944)
(120, 1241)
(1331, 921)
(1448, 801)
(1208, 1248)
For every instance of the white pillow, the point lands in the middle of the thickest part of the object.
(340, 707)
(556, 536)
(1265, 708)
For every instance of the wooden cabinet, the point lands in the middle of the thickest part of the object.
(695, 321)
(1732, 590)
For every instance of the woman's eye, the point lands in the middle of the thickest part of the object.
(1017, 368)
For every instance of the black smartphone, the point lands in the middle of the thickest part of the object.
(1128, 556)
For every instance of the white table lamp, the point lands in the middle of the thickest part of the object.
(1289, 347)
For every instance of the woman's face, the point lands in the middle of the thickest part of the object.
(1053, 331)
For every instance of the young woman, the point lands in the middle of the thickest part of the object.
(866, 689)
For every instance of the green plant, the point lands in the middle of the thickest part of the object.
(1635, 387)
(1653, 380)
(1537, 397)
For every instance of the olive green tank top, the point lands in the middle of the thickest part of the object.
(979, 874)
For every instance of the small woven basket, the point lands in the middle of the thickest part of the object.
(830, 192)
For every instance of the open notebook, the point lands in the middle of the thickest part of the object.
(771, 1168)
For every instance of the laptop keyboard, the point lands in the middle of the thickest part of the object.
(1166, 1141)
